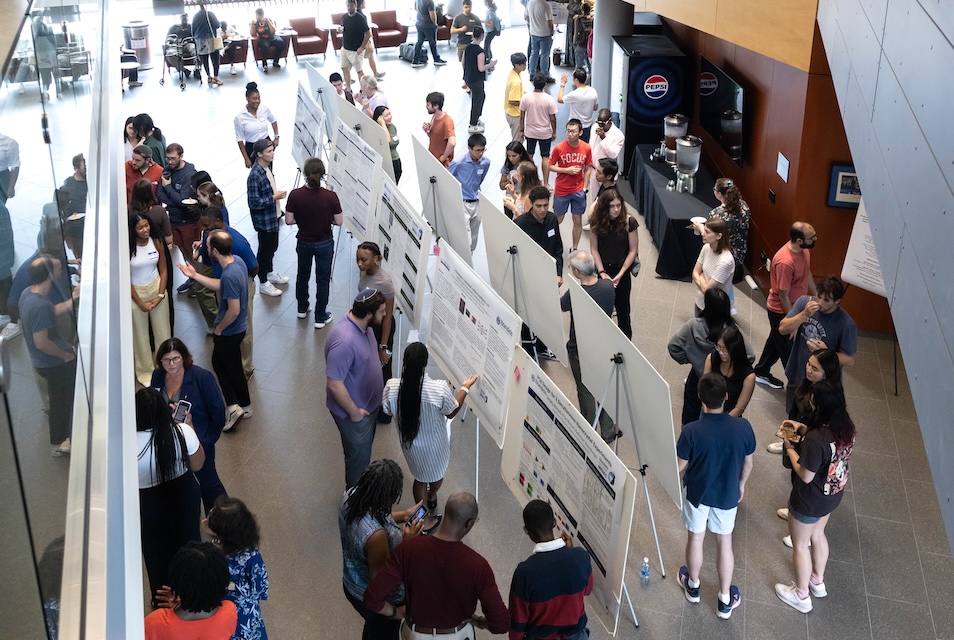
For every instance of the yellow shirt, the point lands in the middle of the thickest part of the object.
(514, 92)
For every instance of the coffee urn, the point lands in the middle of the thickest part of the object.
(675, 125)
(688, 156)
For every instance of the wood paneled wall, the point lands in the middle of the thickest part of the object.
(795, 113)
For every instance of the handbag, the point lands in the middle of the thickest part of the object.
(634, 268)
(217, 42)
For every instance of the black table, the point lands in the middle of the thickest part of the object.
(667, 213)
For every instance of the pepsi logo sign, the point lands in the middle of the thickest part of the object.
(656, 86)
(708, 83)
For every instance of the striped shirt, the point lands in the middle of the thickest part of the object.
(429, 453)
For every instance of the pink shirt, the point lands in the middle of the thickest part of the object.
(539, 106)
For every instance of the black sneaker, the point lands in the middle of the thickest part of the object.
(186, 286)
(769, 380)
(265, 68)
(692, 593)
(735, 599)
(439, 62)
(546, 354)
(418, 65)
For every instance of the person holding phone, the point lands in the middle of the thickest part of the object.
(190, 388)
(423, 406)
(370, 530)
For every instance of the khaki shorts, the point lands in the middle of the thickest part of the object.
(351, 59)
(369, 50)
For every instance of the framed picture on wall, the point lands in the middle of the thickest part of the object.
(845, 189)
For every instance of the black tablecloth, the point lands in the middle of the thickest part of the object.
(667, 213)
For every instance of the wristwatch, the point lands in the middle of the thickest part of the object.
(162, 294)
(382, 347)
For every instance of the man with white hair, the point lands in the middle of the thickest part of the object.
(370, 98)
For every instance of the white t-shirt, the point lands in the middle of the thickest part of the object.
(249, 128)
(581, 101)
(147, 461)
(539, 15)
(716, 266)
(144, 265)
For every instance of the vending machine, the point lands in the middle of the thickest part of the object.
(650, 80)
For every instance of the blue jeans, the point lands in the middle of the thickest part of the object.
(540, 51)
(323, 254)
(430, 35)
(356, 439)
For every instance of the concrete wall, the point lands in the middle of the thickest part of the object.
(889, 62)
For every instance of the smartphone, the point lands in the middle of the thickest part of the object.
(182, 408)
(419, 514)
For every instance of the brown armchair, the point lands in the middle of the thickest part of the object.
(333, 30)
(236, 52)
(310, 39)
(389, 32)
(444, 30)
(257, 52)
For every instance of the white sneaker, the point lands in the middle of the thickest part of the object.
(788, 594)
(380, 75)
(324, 321)
(782, 513)
(12, 330)
(63, 449)
(775, 447)
(268, 289)
(234, 415)
(304, 314)
(787, 541)
(232, 71)
(817, 590)
(586, 226)
(4, 321)
(276, 278)
(247, 411)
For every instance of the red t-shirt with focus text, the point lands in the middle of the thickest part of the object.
(564, 156)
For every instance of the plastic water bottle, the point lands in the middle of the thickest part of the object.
(644, 572)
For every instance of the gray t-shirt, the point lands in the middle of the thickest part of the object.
(37, 314)
(234, 286)
(836, 329)
(380, 281)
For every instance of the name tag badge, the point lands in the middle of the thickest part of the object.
(480, 172)
(551, 233)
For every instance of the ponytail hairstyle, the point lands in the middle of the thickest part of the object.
(210, 191)
(727, 189)
(716, 312)
(314, 171)
(250, 88)
(153, 414)
(409, 395)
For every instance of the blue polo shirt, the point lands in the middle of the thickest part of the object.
(470, 174)
(234, 286)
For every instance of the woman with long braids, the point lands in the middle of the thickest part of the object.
(168, 492)
(422, 406)
(369, 531)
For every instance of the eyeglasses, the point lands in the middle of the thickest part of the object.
(602, 123)
(366, 295)
(721, 349)
(171, 360)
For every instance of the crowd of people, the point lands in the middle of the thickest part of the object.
(411, 564)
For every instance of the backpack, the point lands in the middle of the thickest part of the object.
(837, 476)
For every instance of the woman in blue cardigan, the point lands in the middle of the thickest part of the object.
(178, 379)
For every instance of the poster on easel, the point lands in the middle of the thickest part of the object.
(354, 173)
(442, 202)
(550, 453)
(405, 240)
(309, 123)
(326, 95)
(861, 267)
(472, 330)
(370, 131)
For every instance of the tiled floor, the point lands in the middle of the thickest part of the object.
(891, 570)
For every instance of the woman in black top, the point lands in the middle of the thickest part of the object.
(819, 475)
(731, 360)
(615, 249)
(475, 68)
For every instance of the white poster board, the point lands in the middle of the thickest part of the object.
(472, 330)
(405, 240)
(309, 121)
(537, 298)
(441, 201)
(861, 267)
(325, 95)
(369, 131)
(354, 173)
(550, 453)
(650, 426)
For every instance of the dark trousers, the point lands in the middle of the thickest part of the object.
(215, 63)
(61, 383)
(398, 170)
(623, 295)
(477, 97)
(208, 477)
(265, 43)
(376, 626)
(227, 364)
(487, 40)
(776, 346)
(168, 518)
(322, 253)
(585, 134)
(691, 404)
(267, 246)
(530, 343)
(386, 370)
(5, 285)
(588, 403)
(430, 35)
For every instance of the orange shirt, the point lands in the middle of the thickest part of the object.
(441, 131)
(153, 174)
(164, 624)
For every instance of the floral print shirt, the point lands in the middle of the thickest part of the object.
(249, 585)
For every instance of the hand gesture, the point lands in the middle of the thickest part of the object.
(574, 170)
(166, 598)
(812, 307)
(564, 78)
(427, 128)
(280, 195)
(187, 269)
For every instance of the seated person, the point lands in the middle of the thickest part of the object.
(181, 31)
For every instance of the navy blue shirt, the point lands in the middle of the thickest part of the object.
(715, 446)
(234, 286)
(208, 406)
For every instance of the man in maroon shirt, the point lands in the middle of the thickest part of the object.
(444, 579)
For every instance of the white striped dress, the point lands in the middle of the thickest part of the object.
(429, 453)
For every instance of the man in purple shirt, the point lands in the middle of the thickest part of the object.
(354, 382)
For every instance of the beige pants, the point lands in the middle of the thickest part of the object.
(514, 122)
(158, 317)
(246, 346)
(467, 633)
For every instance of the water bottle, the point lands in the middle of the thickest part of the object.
(644, 572)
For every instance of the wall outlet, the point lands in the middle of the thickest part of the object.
(766, 261)
(771, 196)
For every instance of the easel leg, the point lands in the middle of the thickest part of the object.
(477, 462)
(335, 258)
(629, 601)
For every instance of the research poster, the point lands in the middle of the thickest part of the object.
(472, 330)
(355, 175)
(405, 240)
(861, 267)
(309, 120)
(325, 94)
(552, 454)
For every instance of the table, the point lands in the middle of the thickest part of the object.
(667, 213)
